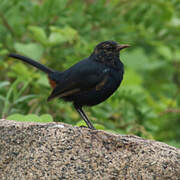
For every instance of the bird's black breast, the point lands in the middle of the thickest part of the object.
(98, 95)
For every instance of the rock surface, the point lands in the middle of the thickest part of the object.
(58, 151)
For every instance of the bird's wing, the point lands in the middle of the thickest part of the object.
(80, 77)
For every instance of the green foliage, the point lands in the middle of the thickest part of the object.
(83, 124)
(14, 96)
(58, 33)
(31, 118)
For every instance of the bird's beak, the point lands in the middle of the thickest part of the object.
(122, 46)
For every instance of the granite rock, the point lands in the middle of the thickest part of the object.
(51, 151)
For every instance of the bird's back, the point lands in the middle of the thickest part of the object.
(95, 96)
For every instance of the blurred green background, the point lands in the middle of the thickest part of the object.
(59, 33)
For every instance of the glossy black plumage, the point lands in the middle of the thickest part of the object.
(90, 81)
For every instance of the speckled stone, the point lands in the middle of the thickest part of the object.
(51, 151)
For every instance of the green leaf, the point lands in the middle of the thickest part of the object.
(56, 38)
(31, 50)
(135, 59)
(32, 118)
(3, 52)
(97, 126)
(46, 118)
(24, 98)
(43, 80)
(2, 98)
(16, 117)
(3, 84)
(177, 55)
(165, 51)
(61, 35)
(39, 34)
(175, 22)
(81, 123)
(132, 81)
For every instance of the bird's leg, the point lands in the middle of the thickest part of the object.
(83, 115)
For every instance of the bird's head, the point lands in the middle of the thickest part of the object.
(108, 51)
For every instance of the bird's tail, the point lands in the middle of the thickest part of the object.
(32, 62)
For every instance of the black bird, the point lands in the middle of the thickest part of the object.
(90, 81)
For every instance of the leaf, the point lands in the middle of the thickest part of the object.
(81, 123)
(165, 51)
(177, 55)
(3, 84)
(46, 118)
(39, 34)
(97, 126)
(3, 52)
(132, 77)
(56, 38)
(175, 21)
(61, 35)
(8, 95)
(132, 81)
(43, 80)
(24, 98)
(135, 59)
(2, 98)
(32, 118)
(16, 117)
(22, 71)
(31, 50)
